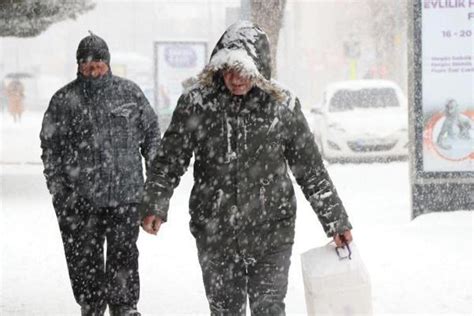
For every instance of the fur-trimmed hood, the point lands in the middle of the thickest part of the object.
(244, 47)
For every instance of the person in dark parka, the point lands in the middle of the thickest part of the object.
(244, 130)
(94, 134)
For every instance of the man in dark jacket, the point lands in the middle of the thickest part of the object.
(244, 130)
(95, 132)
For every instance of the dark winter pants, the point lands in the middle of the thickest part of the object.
(228, 280)
(84, 229)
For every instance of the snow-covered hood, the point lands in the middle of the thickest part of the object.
(246, 44)
(244, 47)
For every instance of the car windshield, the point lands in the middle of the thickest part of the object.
(347, 100)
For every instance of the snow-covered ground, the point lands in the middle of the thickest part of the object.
(423, 266)
(19, 142)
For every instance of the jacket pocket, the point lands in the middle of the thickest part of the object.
(277, 199)
(120, 121)
(204, 211)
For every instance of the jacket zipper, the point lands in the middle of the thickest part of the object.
(263, 199)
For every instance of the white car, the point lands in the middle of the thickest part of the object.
(362, 120)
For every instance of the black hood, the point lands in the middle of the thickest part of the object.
(245, 47)
(248, 38)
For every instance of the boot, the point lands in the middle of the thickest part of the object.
(122, 310)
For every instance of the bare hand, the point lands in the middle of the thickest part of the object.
(339, 239)
(151, 224)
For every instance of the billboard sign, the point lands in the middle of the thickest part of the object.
(442, 115)
(175, 61)
(447, 74)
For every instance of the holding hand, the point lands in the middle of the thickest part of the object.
(339, 239)
(151, 224)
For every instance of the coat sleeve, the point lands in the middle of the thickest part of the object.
(151, 129)
(307, 166)
(52, 137)
(170, 163)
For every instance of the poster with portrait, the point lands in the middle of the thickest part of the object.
(448, 85)
(175, 62)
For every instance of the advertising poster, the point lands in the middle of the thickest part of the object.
(175, 62)
(448, 85)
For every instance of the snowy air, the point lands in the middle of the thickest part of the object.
(236, 157)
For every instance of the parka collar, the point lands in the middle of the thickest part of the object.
(93, 85)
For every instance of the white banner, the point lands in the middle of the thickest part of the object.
(176, 62)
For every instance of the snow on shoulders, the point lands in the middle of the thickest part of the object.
(190, 84)
(195, 91)
(290, 100)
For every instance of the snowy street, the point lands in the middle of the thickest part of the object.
(369, 102)
(416, 267)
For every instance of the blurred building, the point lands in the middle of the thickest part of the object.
(331, 40)
(321, 41)
(129, 26)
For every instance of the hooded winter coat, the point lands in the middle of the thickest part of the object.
(242, 147)
(94, 134)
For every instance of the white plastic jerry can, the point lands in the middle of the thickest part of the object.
(336, 281)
